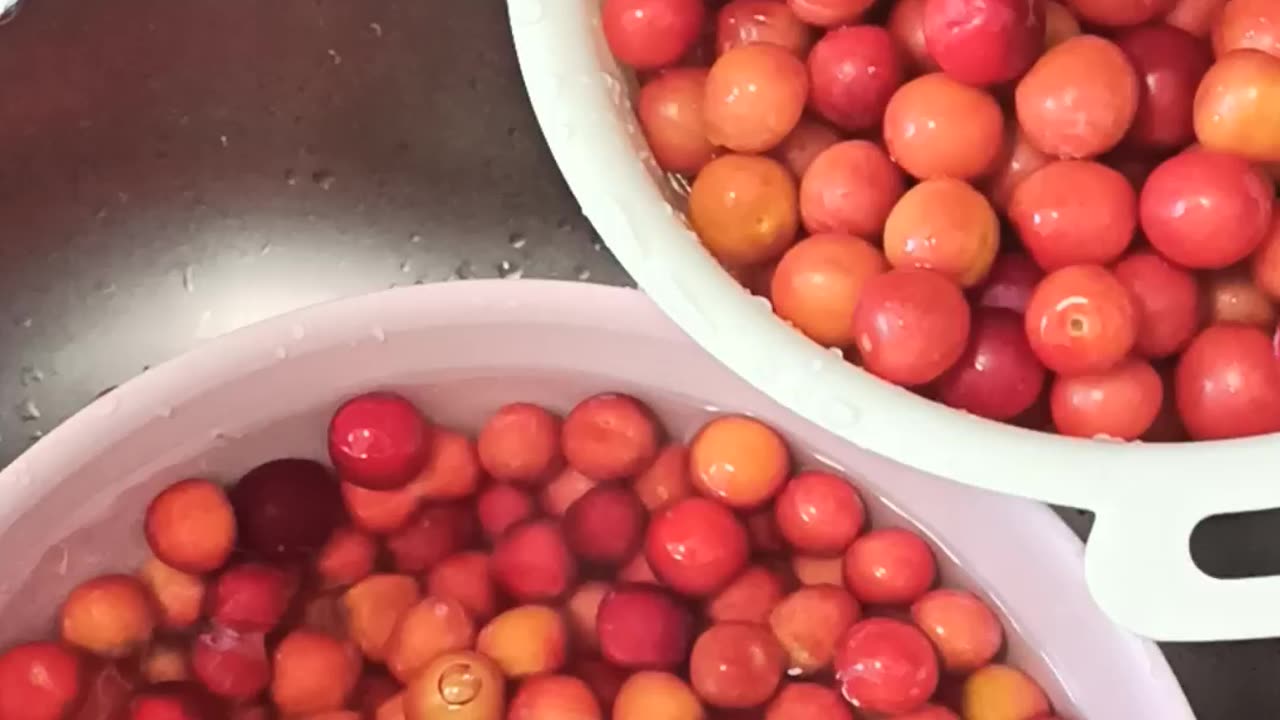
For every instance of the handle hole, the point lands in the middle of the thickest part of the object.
(1238, 545)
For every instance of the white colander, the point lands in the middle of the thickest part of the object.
(1148, 498)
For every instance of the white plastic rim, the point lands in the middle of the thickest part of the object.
(1148, 498)
(69, 507)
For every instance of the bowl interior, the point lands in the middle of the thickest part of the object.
(72, 506)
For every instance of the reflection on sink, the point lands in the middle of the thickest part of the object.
(173, 171)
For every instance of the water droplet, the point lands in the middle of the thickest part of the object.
(290, 177)
(30, 374)
(189, 278)
(841, 415)
(164, 412)
(26, 322)
(464, 271)
(680, 184)
(204, 325)
(617, 90)
(64, 560)
(582, 273)
(597, 243)
(564, 223)
(509, 270)
(568, 129)
(266, 248)
(222, 139)
(282, 352)
(105, 405)
(10, 11)
(650, 162)
(106, 288)
(337, 59)
(376, 28)
(36, 435)
(323, 178)
(28, 411)
(378, 333)
(406, 266)
(517, 240)
(297, 331)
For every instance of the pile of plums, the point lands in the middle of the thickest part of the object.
(580, 568)
(1057, 214)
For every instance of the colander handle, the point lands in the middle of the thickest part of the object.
(1139, 567)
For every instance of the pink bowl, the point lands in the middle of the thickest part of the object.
(71, 506)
